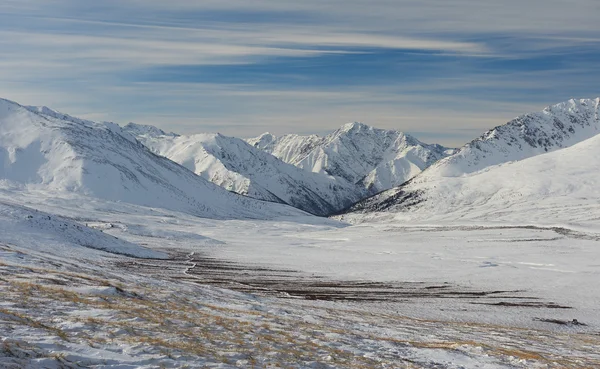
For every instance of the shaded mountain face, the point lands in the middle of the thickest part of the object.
(44, 150)
(544, 157)
(239, 167)
(374, 159)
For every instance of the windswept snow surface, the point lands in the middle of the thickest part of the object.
(236, 166)
(540, 168)
(27, 227)
(44, 150)
(375, 159)
(67, 305)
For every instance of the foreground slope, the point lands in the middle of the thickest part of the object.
(41, 149)
(375, 159)
(65, 309)
(236, 166)
(541, 166)
(21, 225)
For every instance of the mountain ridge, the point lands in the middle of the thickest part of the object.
(58, 153)
(556, 128)
(373, 158)
(239, 167)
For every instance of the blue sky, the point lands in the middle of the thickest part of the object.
(443, 70)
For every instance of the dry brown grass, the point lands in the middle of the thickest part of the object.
(23, 319)
(182, 327)
(175, 326)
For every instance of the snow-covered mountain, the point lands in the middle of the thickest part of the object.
(375, 159)
(290, 148)
(557, 126)
(536, 159)
(147, 130)
(236, 166)
(44, 150)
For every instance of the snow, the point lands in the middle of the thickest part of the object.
(236, 166)
(542, 262)
(373, 158)
(24, 226)
(143, 130)
(318, 175)
(558, 126)
(493, 268)
(59, 153)
(113, 315)
(536, 169)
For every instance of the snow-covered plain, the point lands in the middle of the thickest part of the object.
(66, 304)
(132, 276)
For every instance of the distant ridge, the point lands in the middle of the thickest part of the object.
(549, 156)
(372, 158)
(237, 166)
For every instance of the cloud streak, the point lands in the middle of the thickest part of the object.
(241, 67)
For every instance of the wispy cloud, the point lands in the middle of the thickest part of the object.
(441, 68)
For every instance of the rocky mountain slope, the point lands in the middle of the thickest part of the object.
(236, 166)
(372, 158)
(544, 157)
(44, 150)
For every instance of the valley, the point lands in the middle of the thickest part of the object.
(114, 256)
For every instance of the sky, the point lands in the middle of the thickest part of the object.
(443, 70)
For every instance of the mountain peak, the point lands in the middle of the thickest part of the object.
(242, 167)
(557, 127)
(42, 149)
(263, 141)
(8, 107)
(145, 129)
(372, 158)
(572, 106)
(266, 136)
(354, 126)
(44, 110)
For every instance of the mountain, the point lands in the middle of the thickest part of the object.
(548, 157)
(372, 158)
(557, 126)
(237, 166)
(290, 148)
(146, 130)
(44, 150)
